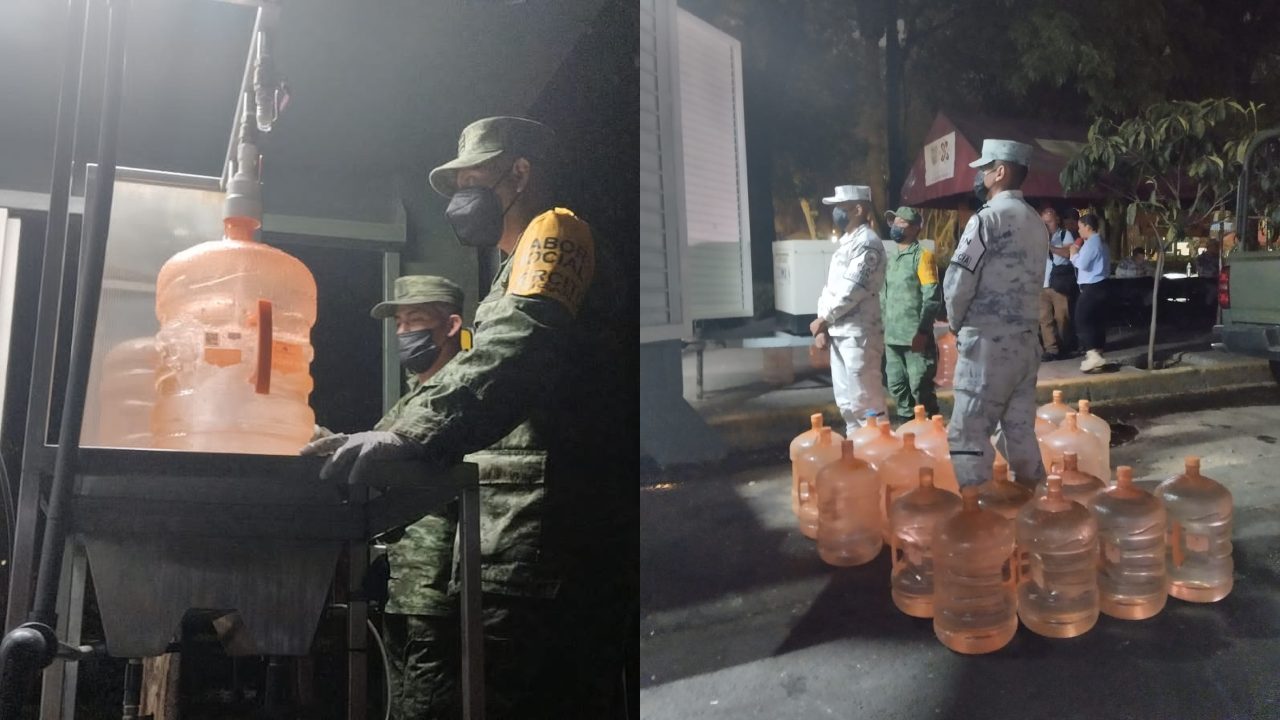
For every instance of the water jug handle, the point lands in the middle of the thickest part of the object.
(1175, 544)
(262, 382)
(804, 492)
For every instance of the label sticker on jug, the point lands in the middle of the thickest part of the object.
(1197, 543)
(1112, 551)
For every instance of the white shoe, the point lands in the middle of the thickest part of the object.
(1093, 360)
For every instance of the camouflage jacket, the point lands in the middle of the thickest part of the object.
(530, 404)
(910, 300)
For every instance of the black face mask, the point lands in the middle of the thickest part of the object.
(980, 188)
(418, 351)
(476, 215)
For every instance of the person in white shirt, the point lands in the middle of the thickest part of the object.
(849, 309)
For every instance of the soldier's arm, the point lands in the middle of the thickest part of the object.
(930, 299)
(855, 285)
(484, 393)
(961, 281)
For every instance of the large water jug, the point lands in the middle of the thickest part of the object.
(235, 352)
(933, 439)
(802, 442)
(900, 472)
(974, 600)
(1055, 411)
(1133, 580)
(867, 432)
(127, 394)
(1097, 427)
(918, 424)
(1000, 495)
(884, 444)
(947, 355)
(1058, 565)
(1199, 535)
(1077, 485)
(1069, 438)
(849, 530)
(1043, 428)
(912, 519)
(812, 459)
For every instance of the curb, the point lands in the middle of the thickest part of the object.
(1116, 392)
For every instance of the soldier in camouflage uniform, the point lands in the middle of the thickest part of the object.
(992, 290)
(534, 404)
(911, 303)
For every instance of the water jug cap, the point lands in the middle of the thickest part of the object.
(1070, 461)
(1192, 464)
(926, 477)
(969, 493)
(920, 413)
(999, 470)
(1124, 476)
(908, 439)
(1054, 486)
(846, 449)
(1057, 396)
(815, 421)
(1084, 406)
(824, 436)
(885, 429)
(1070, 421)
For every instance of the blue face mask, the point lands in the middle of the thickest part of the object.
(897, 233)
(841, 218)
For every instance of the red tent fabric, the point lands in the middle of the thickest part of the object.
(941, 176)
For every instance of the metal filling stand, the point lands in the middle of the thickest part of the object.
(164, 531)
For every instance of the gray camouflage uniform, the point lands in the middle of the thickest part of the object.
(850, 303)
(992, 290)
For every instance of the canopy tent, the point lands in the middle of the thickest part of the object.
(941, 177)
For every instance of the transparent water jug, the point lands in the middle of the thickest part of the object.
(1199, 535)
(947, 355)
(933, 439)
(884, 444)
(900, 472)
(917, 425)
(974, 600)
(1043, 428)
(235, 353)
(802, 442)
(812, 459)
(127, 394)
(1057, 565)
(1077, 485)
(1100, 429)
(1069, 438)
(1054, 411)
(849, 527)
(1000, 494)
(1133, 581)
(867, 432)
(913, 518)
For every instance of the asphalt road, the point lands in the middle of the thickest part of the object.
(740, 618)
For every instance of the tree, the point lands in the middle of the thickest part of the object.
(1179, 161)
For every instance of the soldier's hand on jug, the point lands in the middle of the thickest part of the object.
(817, 327)
(360, 449)
(820, 340)
(324, 444)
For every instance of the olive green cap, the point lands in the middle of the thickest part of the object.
(486, 139)
(906, 213)
(419, 289)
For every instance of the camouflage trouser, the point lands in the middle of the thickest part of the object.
(543, 659)
(909, 376)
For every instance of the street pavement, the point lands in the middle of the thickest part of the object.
(740, 618)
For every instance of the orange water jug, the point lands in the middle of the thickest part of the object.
(876, 450)
(947, 355)
(867, 432)
(1000, 494)
(1055, 411)
(1057, 565)
(819, 359)
(849, 531)
(1069, 438)
(913, 516)
(1043, 428)
(900, 472)
(802, 442)
(974, 602)
(1077, 485)
(812, 459)
(1133, 579)
(235, 347)
(1097, 427)
(1199, 535)
(918, 424)
(933, 439)
(127, 394)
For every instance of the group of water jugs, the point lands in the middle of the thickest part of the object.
(980, 559)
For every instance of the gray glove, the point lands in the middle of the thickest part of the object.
(324, 445)
(321, 432)
(360, 449)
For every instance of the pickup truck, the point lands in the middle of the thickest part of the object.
(1249, 284)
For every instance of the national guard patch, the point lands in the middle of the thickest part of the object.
(555, 258)
(970, 249)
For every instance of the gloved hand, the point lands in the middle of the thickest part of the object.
(325, 444)
(363, 448)
(320, 432)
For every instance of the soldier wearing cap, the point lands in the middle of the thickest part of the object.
(910, 305)
(992, 291)
(530, 404)
(849, 308)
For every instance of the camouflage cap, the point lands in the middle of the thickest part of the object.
(419, 289)
(906, 213)
(486, 139)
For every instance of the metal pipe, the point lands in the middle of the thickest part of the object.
(245, 86)
(93, 246)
